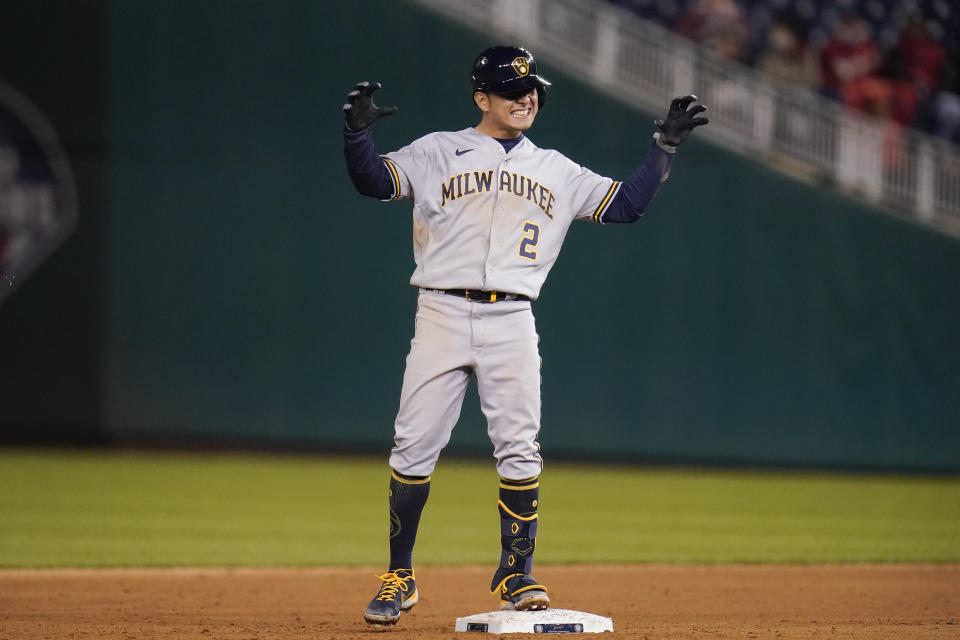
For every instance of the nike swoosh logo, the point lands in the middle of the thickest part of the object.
(460, 153)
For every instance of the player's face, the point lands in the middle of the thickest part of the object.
(507, 115)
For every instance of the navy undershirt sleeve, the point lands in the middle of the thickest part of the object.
(638, 190)
(367, 170)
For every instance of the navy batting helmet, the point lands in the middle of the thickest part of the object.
(506, 70)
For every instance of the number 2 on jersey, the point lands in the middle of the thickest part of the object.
(531, 236)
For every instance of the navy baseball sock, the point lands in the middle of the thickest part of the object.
(408, 495)
(518, 528)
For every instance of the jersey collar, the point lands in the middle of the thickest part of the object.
(524, 143)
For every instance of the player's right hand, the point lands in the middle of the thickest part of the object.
(360, 112)
(680, 121)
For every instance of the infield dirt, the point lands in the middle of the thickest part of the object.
(652, 602)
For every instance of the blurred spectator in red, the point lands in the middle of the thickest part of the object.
(786, 55)
(922, 56)
(848, 55)
(719, 25)
(884, 97)
(893, 101)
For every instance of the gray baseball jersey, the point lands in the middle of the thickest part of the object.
(487, 219)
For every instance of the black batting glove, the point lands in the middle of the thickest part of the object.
(680, 121)
(360, 112)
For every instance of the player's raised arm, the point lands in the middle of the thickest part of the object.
(367, 170)
(638, 190)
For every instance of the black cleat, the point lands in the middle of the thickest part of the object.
(523, 593)
(398, 592)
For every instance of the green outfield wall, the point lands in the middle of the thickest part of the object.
(230, 286)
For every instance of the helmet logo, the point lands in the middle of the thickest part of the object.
(520, 66)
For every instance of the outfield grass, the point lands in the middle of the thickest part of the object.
(95, 509)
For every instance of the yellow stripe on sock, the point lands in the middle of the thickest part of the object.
(407, 481)
(513, 515)
(525, 487)
(520, 485)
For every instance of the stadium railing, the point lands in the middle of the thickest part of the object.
(793, 129)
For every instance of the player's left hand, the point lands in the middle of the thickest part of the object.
(360, 112)
(680, 121)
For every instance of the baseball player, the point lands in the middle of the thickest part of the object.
(490, 212)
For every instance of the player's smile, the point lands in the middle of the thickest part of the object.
(508, 115)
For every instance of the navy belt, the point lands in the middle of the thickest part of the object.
(476, 295)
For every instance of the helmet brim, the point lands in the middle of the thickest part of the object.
(531, 81)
